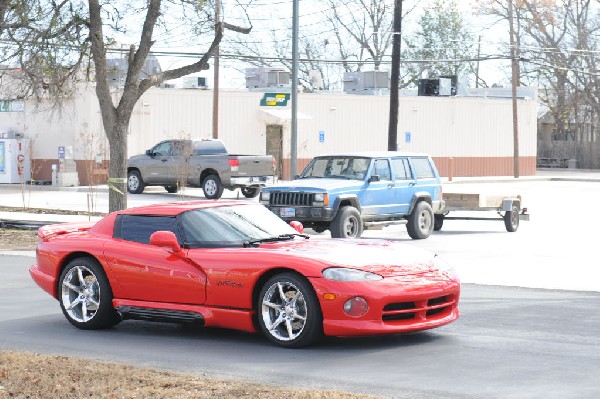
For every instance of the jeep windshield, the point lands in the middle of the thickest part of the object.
(337, 167)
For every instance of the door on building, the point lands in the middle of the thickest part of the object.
(274, 146)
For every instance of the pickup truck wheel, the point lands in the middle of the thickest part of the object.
(438, 222)
(420, 221)
(511, 219)
(212, 187)
(135, 184)
(250, 192)
(347, 223)
(171, 189)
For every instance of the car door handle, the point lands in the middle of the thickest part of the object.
(163, 160)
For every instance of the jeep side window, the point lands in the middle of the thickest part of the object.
(423, 168)
(401, 169)
(382, 168)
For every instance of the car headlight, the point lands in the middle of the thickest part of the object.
(343, 274)
(321, 199)
(265, 196)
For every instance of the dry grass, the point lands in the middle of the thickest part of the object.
(28, 375)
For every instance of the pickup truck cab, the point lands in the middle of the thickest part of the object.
(347, 193)
(198, 163)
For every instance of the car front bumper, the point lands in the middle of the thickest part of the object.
(396, 305)
(303, 213)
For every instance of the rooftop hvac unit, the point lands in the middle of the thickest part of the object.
(267, 77)
(366, 81)
(194, 82)
(442, 86)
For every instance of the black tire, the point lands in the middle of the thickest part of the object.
(438, 222)
(212, 187)
(420, 221)
(85, 295)
(293, 321)
(171, 189)
(346, 223)
(250, 192)
(511, 219)
(135, 183)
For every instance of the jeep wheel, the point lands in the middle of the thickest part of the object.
(347, 223)
(438, 222)
(420, 221)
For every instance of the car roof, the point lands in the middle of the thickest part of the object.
(175, 208)
(374, 154)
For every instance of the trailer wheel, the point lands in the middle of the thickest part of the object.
(511, 219)
(438, 222)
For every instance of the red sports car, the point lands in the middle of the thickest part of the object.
(237, 265)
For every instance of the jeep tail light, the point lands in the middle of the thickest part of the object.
(233, 162)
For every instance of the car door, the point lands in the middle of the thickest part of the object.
(378, 198)
(156, 167)
(405, 185)
(149, 273)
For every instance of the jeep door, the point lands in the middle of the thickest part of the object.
(405, 185)
(378, 198)
(427, 179)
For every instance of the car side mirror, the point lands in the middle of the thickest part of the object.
(374, 178)
(149, 153)
(297, 226)
(296, 177)
(166, 239)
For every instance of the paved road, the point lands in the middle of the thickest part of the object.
(509, 343)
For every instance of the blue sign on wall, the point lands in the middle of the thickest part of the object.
(61, 152)
(322, 136)
(407, 137)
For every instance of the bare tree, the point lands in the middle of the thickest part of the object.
(68, 41)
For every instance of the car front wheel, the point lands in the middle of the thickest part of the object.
(289, 314)
(85, 295)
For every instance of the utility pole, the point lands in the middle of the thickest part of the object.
(294, 94)
(215, 116)
(395, 78)
(515, 81)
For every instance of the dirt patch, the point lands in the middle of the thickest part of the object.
(28, 375)
(18, 240)
(45, 211)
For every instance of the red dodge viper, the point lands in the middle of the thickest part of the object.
(237, 265)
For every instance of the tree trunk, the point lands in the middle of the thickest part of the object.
(117, 183)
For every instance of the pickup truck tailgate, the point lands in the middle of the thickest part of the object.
(251, 165)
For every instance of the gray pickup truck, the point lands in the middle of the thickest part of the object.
(198, 163)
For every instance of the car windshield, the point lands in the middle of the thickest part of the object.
(231, 226)
(337, 167)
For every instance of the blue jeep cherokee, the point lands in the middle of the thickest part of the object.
(347, 193)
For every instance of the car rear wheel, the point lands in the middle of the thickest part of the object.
(346, 223)
(511, 219)
(438, 222)
(250, 192)
(212, 187)
(289, 314)
(85, 295)
(135, 184)
(420, 221)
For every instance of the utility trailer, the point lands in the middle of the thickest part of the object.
(508, 209)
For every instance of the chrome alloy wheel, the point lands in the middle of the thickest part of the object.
(80, 294)
(284, 311)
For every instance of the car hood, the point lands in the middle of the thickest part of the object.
(386, 258)
(136, 158)
(316, 184)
